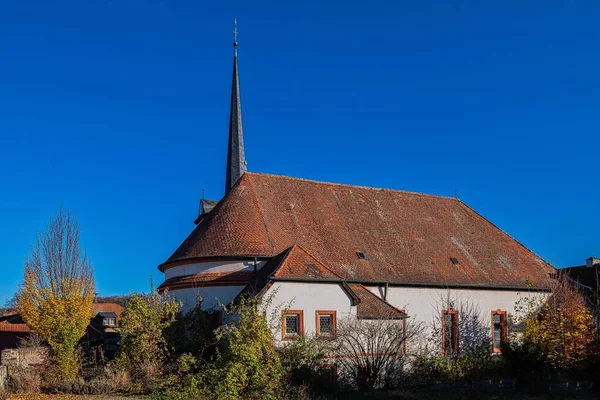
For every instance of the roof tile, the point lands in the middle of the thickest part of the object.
(372, 307)
(407, 237)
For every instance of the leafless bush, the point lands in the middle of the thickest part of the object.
(473, 329)
(24, 380)
(96, 386)
(370, 354)
(31, 341)
(149, 375)
(119, 378)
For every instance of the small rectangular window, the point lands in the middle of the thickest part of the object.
(108, 322)
(326, 323)
(291, 324)
(450, 331)
(499, 330)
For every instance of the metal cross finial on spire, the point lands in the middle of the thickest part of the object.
(235, 32)
(236, 161)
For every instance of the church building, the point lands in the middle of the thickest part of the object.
(330, 251)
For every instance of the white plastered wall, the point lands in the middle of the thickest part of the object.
(213, 297)
(310, 298)
(212, 266)
(426, 304)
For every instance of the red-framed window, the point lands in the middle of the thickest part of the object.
(450, 331)
(292, 324)
(499, 330)
(325, 322)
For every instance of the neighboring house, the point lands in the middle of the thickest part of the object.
(102, 330)
(12, 330)
(333, 251)
(588, 278)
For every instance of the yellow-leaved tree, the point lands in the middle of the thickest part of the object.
(56, 297)
(559, 323)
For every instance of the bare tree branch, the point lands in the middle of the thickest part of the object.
(370, 353)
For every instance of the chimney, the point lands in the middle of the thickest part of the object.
(590, 262)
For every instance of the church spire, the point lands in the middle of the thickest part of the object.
(236, 162)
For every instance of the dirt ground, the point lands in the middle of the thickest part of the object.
(70, 397)
(408, 395)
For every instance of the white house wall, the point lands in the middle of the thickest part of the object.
(212, 266)
(213, 297)
(309, 298)
(421, 304)
(424, 304)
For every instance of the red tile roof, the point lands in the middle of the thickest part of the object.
(293, 263)
(406, 237)
(372, 307)
(13, 323)
(299, 263)
(107, 308)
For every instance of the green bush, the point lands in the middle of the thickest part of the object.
(192, 333)
(248, 365)
(303, 361)
(143, 348)
(429, 366)
(527, 363)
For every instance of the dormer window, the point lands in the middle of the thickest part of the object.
(108, 319)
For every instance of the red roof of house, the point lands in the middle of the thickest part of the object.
(406, 237)
(13, 323)
(299, 263)
(294, 263)
(107, 308)
(372, 307)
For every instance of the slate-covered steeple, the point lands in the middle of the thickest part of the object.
(236, 161)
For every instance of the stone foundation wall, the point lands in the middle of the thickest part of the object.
(3, 376)
(23, 357)
(12, 359)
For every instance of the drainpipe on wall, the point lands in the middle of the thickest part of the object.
(385, 291)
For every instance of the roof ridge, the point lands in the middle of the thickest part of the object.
(350, 185)
(314, 258)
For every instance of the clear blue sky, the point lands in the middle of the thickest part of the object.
(118, 111)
